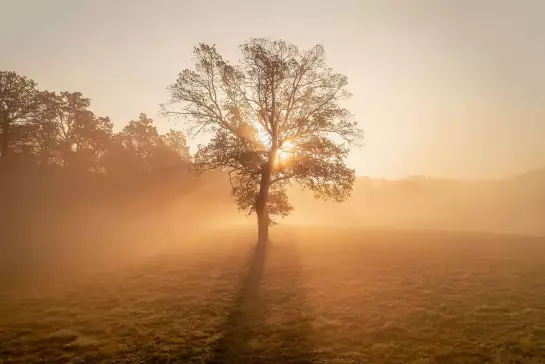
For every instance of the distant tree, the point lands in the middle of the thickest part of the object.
(118, 160)
(70, 114)
(93, 138)
(43, 131)
(18, 103)
(143, 148)
(140, 138)
(273, 118)
(176, 141)
(66, 132)
(170, 156)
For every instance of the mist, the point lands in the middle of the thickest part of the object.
(165, 271)
(272, 182)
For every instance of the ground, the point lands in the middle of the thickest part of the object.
(317, 295)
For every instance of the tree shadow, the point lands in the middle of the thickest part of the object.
(289, 330)
(269, 321)
(246, 312)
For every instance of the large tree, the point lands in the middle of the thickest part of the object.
(273, 118)
(18, 103)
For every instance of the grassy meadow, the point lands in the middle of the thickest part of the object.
(318, 295)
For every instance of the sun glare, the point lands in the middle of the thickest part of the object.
(263, 136)
(284, 155)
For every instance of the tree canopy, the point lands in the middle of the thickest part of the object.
(58, 128)
(18, 103)
(274, 118)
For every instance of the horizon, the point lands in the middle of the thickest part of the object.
(268, 225)
(434, 99)
(468, 180)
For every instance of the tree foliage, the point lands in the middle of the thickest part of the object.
(273, 118)
(58, 128)
(18, 103)
(147, 150)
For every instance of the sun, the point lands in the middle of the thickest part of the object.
(284, 155)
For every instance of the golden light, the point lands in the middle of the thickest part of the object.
(284, 155)
(263, 136)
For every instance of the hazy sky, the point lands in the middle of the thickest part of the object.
(443, 88)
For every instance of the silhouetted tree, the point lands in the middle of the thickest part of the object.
(64, 131)
(62, 148)
(140, 148)
(273, 118)
(176, 141)
(140, 139)
(94, 139)
(70, 114)
(43, 133)
(18, 103)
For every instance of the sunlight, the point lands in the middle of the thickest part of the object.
(263, 136)
(284, 155)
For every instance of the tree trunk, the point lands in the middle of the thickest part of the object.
(261, 208)
(262, 230)
(5, 137)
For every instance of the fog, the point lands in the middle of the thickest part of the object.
(162, 269)
(226, 182)
(82, 224)
(515, 204)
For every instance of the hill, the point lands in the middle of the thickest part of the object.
(515, 204)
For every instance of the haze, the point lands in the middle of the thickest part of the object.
(122, 242)
(443, 88)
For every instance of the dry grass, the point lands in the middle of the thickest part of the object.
(323, 296)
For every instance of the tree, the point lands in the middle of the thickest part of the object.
(95, 137)
(274, 118)
(176, 141)
(70, 115)
(140, 139)
(144, 149)
(18, 102)
(171, 153)
(43, 130)
(64, 131)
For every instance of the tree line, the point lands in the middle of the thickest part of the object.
(59, 129)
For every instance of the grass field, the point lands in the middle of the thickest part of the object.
(317, 296)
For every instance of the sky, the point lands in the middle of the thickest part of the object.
(449, 89)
